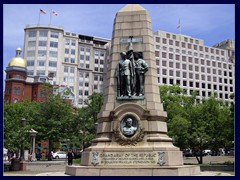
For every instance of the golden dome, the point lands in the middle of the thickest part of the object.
(18, 61)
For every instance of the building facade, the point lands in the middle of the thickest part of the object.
(74, 60)
(19, 86)
(77, 61)
(186, 61)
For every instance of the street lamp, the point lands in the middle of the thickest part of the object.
(33, 134)
(23, 120)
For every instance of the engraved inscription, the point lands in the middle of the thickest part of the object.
(131, 158)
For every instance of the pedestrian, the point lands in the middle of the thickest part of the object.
(70, 156)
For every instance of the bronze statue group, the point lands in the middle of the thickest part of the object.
(130, 74)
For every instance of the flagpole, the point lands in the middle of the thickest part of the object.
(39, 18)
(50, 17)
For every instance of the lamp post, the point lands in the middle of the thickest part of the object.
(23, 120)
(33, 134)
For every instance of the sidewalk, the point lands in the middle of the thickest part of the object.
(205, 173)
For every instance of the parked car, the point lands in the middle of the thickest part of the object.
(207, 152)
(187, 153)
(59, 155)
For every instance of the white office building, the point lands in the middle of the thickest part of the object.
(77, 61)
(186, 61)
(74, 60)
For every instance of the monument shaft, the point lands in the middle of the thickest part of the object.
(131, 131)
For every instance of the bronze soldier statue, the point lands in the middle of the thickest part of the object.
(140, 68)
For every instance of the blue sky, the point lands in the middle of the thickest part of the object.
(211, 22)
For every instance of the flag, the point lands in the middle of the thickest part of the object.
(43, 12)
(179, 24)
(54, 12)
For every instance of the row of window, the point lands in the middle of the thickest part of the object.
(202, 69)
(42, 53)
(68, 79)
(42, 63)
(191, 75)
(68, 42)
(197, 85)
(190, 46)
(212, 64)
(43, 33)
(66, 69)
(72, 60)
(184, 58)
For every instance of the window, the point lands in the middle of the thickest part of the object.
(54, 34)
(81, 57)
(42, 43)
(72, 69)
(81, 74)
(32, 34)
(102, 53)
(203, 85)
(101, 78)
(87, 66)
(164, 71)
(41, 63)
(184, 83)
(178, 73)
(197, 84)
(30, 63)
(95, 77)
(176, 43)
(170, 64)
(164, 80)
(86, 74)
(183, 44)
(80, 92)
(72, 60)
(157, 39)
(164, 41)
(164, 55)
(66, 69)
(54, 44)
(87, 49)
(86, 93)
(73, 43)
(67, 42)
(66, 59)
(96, 53)
(87, 58)
(95, 68)
(40, 73)
(73, 51)
(170, 56)
(66, 51)
(53, 54)
(101, 61)
(86, 84)
(42, 53)
(171, 81)
(43, 33)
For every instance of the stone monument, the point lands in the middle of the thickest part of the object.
(132, 135)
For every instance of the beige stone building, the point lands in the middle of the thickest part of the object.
(186, 61)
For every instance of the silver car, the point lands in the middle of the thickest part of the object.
(59, 155)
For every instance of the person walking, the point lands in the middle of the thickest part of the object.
(70, 157)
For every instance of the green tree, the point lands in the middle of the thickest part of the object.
(53, 120)
(208, 124)
(14, 132)
(84, 123)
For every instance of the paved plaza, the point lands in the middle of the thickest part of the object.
(57, 168)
